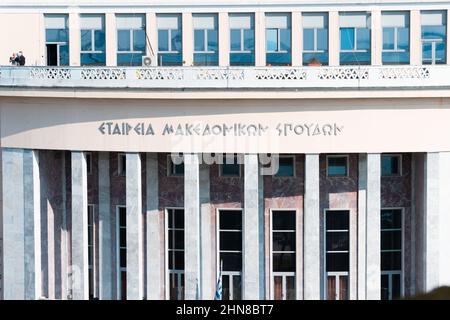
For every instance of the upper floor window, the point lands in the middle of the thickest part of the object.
(231, 166)
(169, 40)
(278, 39)
(391, 165)
(395, 37)
(57, 39)
(355, 42)
(206, 46)
(315, 38)
(337, 166)
(434, 37)
(92, 28)
(175, 166)
(242, 39)
(286, 166)
(131, 40)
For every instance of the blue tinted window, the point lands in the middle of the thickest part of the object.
(199, 40)
(139, 40)
(56, 35)
(285, 39)
(163, 40)
(403, 38)
(64, 55)
(212, 40)
(347, 38)
(337, 166)
(249, 40)
(129, 59)
(363, 38)
(242, 59)
(123, 40)
(426, 51)
(308, 39)
(286, 167)
(176, 40)
(99, 40)
(388, 38)
(433, 32)
(93, 59)
(272, 39)
(170, 59)
(440, 52)
(86, 40)
(235, 39)
(322, 39)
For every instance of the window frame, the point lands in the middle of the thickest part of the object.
(131, 32)
(402, 271)
(294, 172)
(315, 41)
(355, 41)
(336, 273)
(347, 165)
(400, 164)
(283, 274)
(169, 41)
(278, 50)
(232, 273)
(238, 162)
(167, 271)
(171, 166)
(119, 269)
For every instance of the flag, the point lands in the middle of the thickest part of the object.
(218, 295)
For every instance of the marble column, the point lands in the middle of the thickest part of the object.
(207, 259)
(311, 213)
(21, 224)
(155, 233)
(253, 230)
(79, 274)
(135, 248)
(105, 228)
(431, 221)
(192, 205)
(362, 211)
(373, 233)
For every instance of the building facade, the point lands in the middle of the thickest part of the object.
(300, 147)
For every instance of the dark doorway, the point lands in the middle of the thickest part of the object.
(52, 54)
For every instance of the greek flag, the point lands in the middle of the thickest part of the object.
(218, 295)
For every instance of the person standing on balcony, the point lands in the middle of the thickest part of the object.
(20, 59)
(12, 59)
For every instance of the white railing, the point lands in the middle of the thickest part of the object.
(382, 77)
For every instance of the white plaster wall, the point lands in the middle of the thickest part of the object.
(22, 32)
(368, 125)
